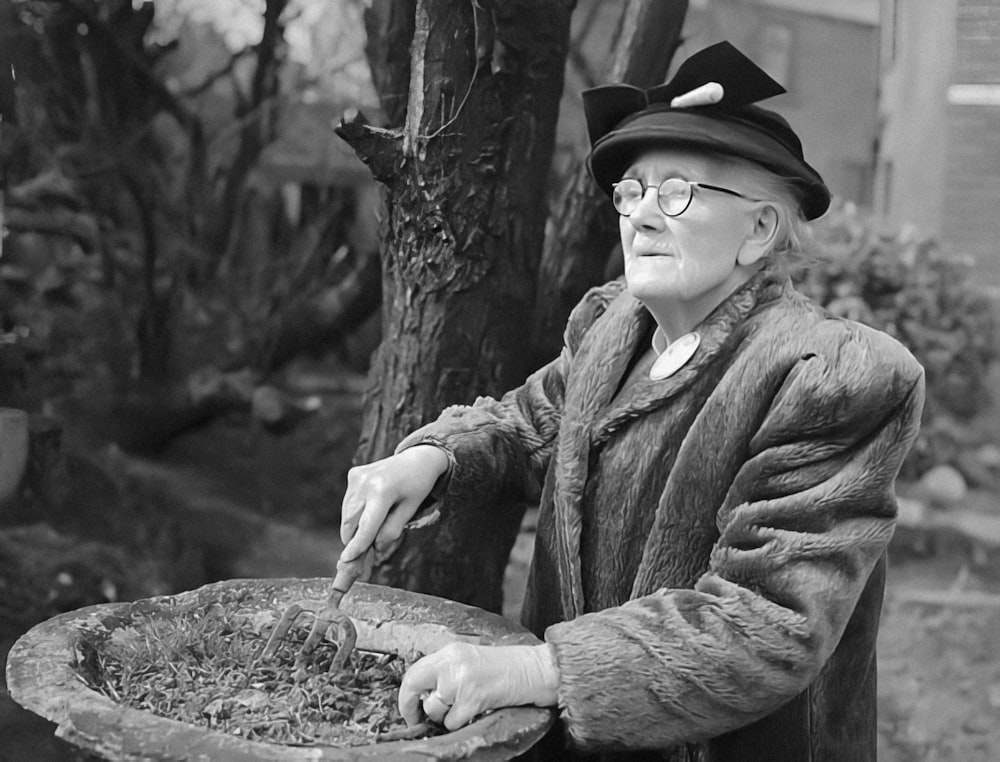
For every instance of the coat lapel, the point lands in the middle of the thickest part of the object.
(598, 367)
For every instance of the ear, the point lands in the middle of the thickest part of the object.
(763, 233)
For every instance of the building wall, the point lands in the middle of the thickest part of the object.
(972, 172)
(827, 59)
(828, 64)
(917, 57)
(939, 171)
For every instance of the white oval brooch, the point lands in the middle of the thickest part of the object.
(675, 356)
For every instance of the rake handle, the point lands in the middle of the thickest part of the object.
(348, 572)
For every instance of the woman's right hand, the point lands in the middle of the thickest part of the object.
(383, 496)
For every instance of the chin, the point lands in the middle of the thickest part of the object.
(649, 290)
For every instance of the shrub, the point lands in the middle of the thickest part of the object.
(924, 295)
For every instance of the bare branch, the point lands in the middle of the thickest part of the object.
(79, 226)
(585, 27)
(313, 323)
(163, 96)
(650, 35)
(214, 77)
(390, 25)
(576, 57)
(377, 147)
(582, 66)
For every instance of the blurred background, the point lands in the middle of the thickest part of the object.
(199, 285)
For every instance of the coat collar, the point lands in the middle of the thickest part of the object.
(717, 333)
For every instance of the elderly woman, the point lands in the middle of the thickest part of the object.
(715, 458)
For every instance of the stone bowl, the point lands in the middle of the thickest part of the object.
(40, 677)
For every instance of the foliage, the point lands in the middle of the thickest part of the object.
(68, 325)
(918, 291)
(148, 237)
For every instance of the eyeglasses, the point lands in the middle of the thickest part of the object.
(673, 195)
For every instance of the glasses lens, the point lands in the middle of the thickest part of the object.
(627, 195)
(674, 196)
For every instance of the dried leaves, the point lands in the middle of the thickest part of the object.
(201, 665)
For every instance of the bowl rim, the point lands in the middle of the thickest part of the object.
(40, 677)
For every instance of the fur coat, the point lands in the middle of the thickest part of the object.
(709, 561)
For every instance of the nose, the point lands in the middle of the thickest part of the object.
(648, 215)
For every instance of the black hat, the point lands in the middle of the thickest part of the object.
(623, 120)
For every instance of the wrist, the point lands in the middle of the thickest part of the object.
(436, 459)
(442, 459)
(547, 688)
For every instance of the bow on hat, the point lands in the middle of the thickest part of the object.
(742, 81)
(708, 105)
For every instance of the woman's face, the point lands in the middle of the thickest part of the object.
(689, 260)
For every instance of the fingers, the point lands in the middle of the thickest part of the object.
(374, 515)
(460, 714)
(352, 506)
(435, 706)
(369, 524)
(441, 687)
(418, 682)
(350, 514)
(364, 510)
(357, 568)
(390, 534)
(383, 496)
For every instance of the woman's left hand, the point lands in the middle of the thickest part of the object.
(461, 681)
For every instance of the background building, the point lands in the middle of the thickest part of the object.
(826, 54)
(939, 156)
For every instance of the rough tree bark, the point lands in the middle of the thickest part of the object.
(389, 27)
(462, 234)
(584, 229)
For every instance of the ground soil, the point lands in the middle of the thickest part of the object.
(939, 659)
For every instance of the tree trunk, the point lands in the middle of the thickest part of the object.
(389, 25)
(461, 239)
(256, 114)
(585, 228)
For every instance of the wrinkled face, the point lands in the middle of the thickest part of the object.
(689, 259)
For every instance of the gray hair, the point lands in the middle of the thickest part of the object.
(794, 233)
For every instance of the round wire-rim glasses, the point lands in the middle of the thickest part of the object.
(673, 195)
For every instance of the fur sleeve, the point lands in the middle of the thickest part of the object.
(806, 518)
(502, 447)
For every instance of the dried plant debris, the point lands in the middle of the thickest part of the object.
(200, 664)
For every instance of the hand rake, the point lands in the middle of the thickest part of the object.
(327, 616)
